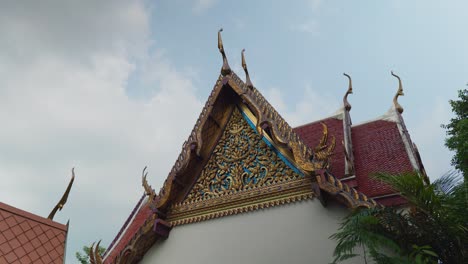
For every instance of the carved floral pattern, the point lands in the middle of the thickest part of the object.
(240, 161)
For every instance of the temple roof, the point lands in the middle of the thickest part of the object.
(382, 144)
(28, 238)
(310, 148)
(373, 141)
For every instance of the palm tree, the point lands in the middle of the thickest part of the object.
(433, 228)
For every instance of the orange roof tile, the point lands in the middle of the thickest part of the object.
(28, 238)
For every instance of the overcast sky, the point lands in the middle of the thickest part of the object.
(111, 86)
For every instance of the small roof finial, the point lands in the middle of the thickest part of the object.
(64, 198)
(225, 70)
(148, 190)
(347, 105)
(399, 92)
(247, 77)
(94, 256)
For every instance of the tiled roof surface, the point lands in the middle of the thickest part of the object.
(28, 238)
(378, 147)
(312, 133)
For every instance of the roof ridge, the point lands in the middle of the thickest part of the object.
(389, 116)
(334, 116)
(31, 216)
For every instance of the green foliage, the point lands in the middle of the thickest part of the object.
(433, 228)
(363, 229)
(83, 258)
(457, 131)
(422, 254)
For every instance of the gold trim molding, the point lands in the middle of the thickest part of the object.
(251, 200)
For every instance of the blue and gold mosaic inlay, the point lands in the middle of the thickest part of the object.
(242, 160)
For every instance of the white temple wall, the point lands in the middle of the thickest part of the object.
(293, 233)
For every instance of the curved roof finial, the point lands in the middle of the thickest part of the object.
(247, 77)
(94, 256)
(399, 92)
(97, 256)
(148, 190)
(347, 106)
(225, 70)
(64, 198)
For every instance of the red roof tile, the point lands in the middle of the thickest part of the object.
(378, 147)
(131, 230)
(312, 133)
(28, 238)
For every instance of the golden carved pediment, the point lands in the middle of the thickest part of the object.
(242, 160)
(245, 172)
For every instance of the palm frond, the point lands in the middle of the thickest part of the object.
(360, 229)
(448, 182)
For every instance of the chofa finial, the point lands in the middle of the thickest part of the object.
(64, 198)
(225, 70)
(347, 106)
(399, 92)
(148, 190)
(247, 77)
(94, 256)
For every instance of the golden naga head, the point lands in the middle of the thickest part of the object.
(321, 154)
(148, 190)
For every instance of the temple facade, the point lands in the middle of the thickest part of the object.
(248, 188)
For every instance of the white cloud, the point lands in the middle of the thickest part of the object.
(72, 29)
(64, 103)
(201, 6)
(311, 107)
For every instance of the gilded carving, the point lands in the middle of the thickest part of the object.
(354, 199)
(94, 256)
(211, 213)
(324, 150)
(194, 139)
(241, 161)
(321, 156)
(148, 190)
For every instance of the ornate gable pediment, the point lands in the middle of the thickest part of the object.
(245, 172)
(236, 161)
